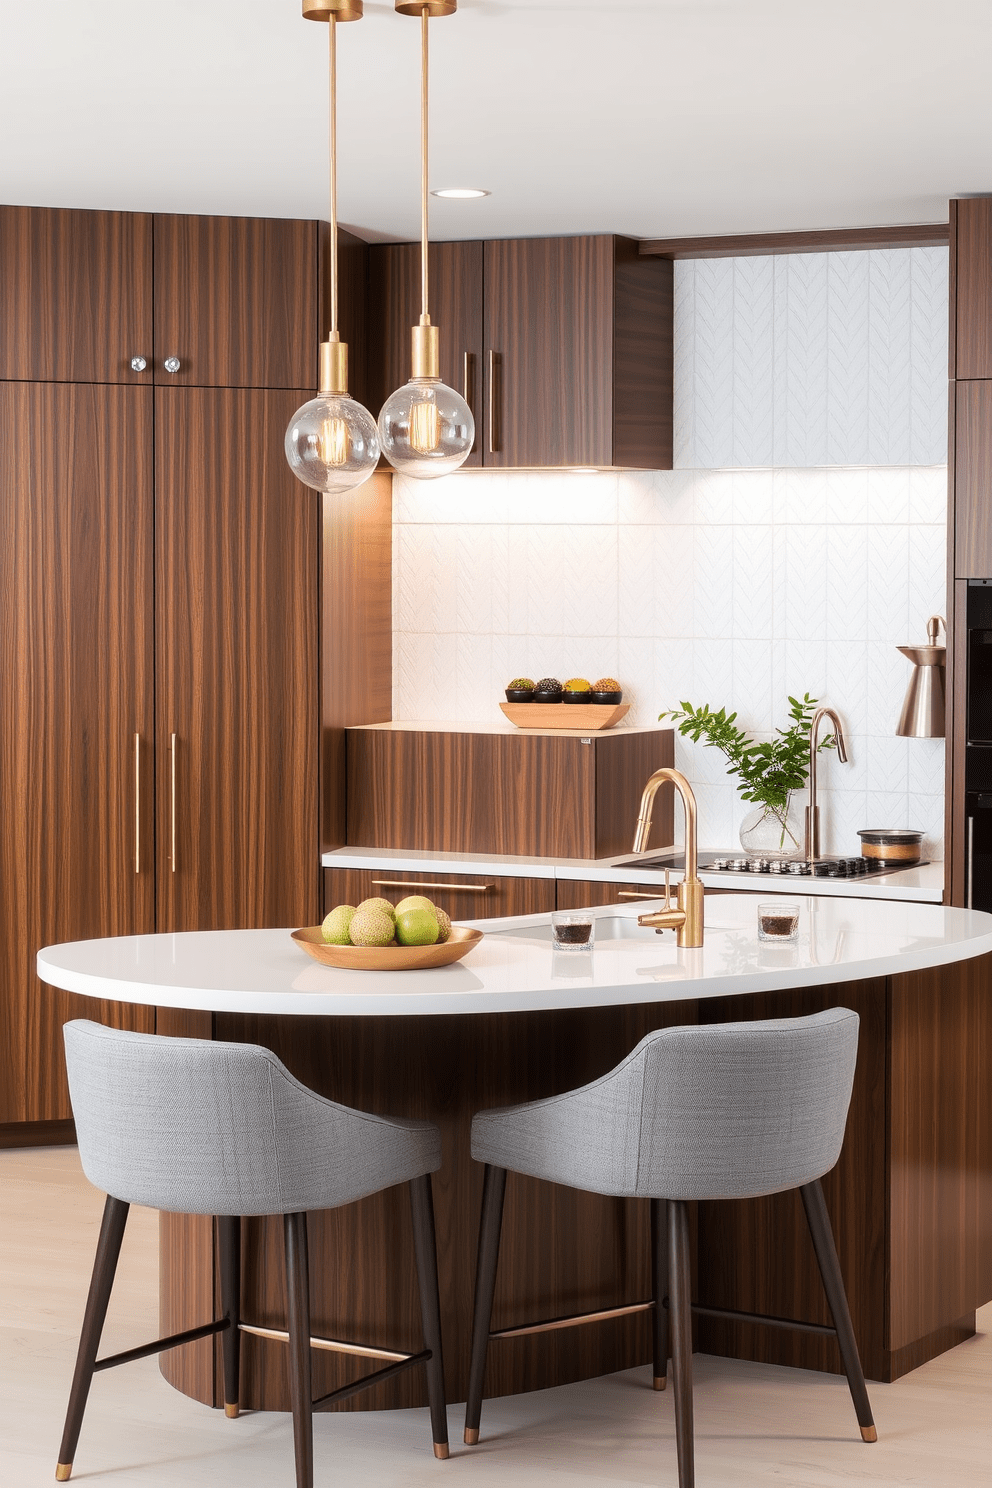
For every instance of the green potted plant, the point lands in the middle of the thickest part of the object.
(768, 773)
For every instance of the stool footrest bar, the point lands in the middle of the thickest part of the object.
(367, 1380)
(573, 1320)
(729, 1315)
(161, 1344)
(334, 1345)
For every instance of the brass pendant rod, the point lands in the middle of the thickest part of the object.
(332, 129)
(424, 61)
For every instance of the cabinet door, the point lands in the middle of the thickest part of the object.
(463, 897)
(971, 405)
(76, 855)
(971, 278)
(455, 271)
(75, 295)
(237, 551)
(236, 302)
(549, 352)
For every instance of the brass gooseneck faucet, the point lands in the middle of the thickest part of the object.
(812, 847)
(686, 918)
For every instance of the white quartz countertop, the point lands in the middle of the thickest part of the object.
(515, 969)
(923, 885)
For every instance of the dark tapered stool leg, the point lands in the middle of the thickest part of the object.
(833, 1284)
(425, 1247)
(108, 1250)
(659, 1286)
(680, 1311)
(493, 1191)
(229, 1246)
(298, 1307)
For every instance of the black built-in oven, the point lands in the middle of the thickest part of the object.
(978, 752)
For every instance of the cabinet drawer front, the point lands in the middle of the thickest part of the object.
(574, 893)
(462, 896)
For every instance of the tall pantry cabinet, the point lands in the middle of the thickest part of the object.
(159, 571)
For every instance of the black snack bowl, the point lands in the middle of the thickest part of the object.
(606, 697)
(547, 697)
(519, 694)
(575, 697)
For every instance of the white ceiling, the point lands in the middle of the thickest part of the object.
(649, 117)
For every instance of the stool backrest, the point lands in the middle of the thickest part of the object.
(734, 1110)
(214, 1128)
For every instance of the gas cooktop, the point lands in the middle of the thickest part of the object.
(856, 867)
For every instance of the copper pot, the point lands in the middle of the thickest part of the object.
(896, 845)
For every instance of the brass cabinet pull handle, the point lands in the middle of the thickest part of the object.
(970, 901)
(173, 771)
(137, 803)
(395, 883)
(495, 365)
(468, 388)
(629, 894)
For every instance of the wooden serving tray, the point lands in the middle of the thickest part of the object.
(387, 958)
(586, 717)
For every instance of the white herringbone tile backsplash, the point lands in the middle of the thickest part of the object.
(733, 586)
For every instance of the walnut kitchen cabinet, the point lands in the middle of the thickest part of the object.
(463, 896)
(971, 289)
(160, 587)
(575, 893)
(568, 344)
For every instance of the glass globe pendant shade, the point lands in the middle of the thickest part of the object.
(332, 443)
(426, 429)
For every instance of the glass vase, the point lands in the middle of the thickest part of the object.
(773, 832)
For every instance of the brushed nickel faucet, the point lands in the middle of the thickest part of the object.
(812, 849)
(686, 917)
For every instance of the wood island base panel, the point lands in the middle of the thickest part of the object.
(910, 1200)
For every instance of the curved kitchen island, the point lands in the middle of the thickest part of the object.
(910, 1199)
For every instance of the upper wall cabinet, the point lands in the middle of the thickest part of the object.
(75, 295)
(235, 302)
(562, 346)
(456, 277)
(971, 289)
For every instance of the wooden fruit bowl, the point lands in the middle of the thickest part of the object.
(588, 717)
(387, 958)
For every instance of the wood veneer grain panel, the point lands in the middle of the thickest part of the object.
(38, 1133)
(624, 764)
(503, 896)
(75, 295)
(421, 790)
(75, 688)
(971, 305)
(544, 795)
(455, 271)
(562, 1250)
(972, 531)
(940, 1126)
(237, 561)
(236, 302)
(757, 1255)
(828, 240)
(357, 636)
(549, 317)
(643, 358)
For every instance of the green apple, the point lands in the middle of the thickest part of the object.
(336, 925)
(415, 901)
(417, 927)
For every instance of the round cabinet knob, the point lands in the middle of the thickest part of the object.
(172, 364)
(138, 364)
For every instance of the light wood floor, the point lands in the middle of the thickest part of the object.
(755, 1424)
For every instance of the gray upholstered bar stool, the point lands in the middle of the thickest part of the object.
(224, 1129)
(729, 1111)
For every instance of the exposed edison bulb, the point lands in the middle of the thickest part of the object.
(332, 443)
(426, 429)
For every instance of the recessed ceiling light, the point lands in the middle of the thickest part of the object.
(461, 193)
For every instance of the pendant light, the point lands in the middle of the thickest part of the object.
(426, 428)
(332, 443)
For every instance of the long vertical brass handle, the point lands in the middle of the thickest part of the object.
(495, 364)
(173, 770)
(468, 391)
(137, 803)
(971, 862)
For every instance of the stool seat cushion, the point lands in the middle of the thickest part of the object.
(730, 1110)
(218, 1128)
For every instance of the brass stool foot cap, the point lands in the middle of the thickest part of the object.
(63, 1472)
(659, 1382)
(232, 1412)
(471, 1436)
(441, 1451)
(869, 1434)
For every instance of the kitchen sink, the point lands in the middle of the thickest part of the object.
(609, 927)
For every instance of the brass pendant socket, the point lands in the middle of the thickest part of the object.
(432, 7)
(341, 10)
(333, 367)
(425, 348)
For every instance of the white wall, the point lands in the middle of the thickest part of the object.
(735, 586)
